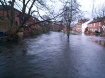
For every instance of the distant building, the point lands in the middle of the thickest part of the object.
(97, 25)
(85, 27)
(57, 26)
(80, 26)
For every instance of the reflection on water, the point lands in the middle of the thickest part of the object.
(95, 39)
(100, 42)
(51, 56)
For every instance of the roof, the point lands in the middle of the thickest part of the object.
(6, 7)
(96, 20)
(2, 8)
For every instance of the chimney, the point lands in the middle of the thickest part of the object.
(97, 17)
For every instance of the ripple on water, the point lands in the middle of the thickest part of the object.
(51, 56)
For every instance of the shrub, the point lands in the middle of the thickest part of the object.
(97, 32)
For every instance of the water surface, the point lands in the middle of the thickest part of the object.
(51, 56)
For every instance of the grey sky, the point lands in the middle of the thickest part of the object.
(87, 5)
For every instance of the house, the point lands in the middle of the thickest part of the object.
(95, 25)
(4, 22)
(3, 16)
(84, 26)
(57, 26)
(80, 26)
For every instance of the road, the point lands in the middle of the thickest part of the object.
(51, 56)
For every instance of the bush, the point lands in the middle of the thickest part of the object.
(97, 32)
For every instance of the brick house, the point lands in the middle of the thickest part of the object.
(3, 18)
(4, 22)
(95, 25)
(74, 29)
(78, 27)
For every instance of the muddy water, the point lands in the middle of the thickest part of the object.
(51, 56)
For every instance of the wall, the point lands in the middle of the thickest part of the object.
(79, 28)
(95, 27)
(84, 25)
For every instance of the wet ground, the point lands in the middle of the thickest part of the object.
(51, 56)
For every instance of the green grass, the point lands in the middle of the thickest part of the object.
(65, 32)
(73, 34)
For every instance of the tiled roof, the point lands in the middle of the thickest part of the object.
(6, 7)
(96, 20)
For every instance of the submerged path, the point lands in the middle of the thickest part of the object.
(51, 56)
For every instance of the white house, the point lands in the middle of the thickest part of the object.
(84, 25)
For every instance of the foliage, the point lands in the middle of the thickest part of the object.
(97, 32)
(65, 32)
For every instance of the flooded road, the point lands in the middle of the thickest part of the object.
(51, 56)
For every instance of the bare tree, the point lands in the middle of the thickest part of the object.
(93, 9)
(100, 12)
(26, 11)
(71, 12)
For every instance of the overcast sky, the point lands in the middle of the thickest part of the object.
(87, 5)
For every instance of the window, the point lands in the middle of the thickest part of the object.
(94, 24)
(91, 25)
(99, 23)
(92, 29)
(95, 29)
(98, 30)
